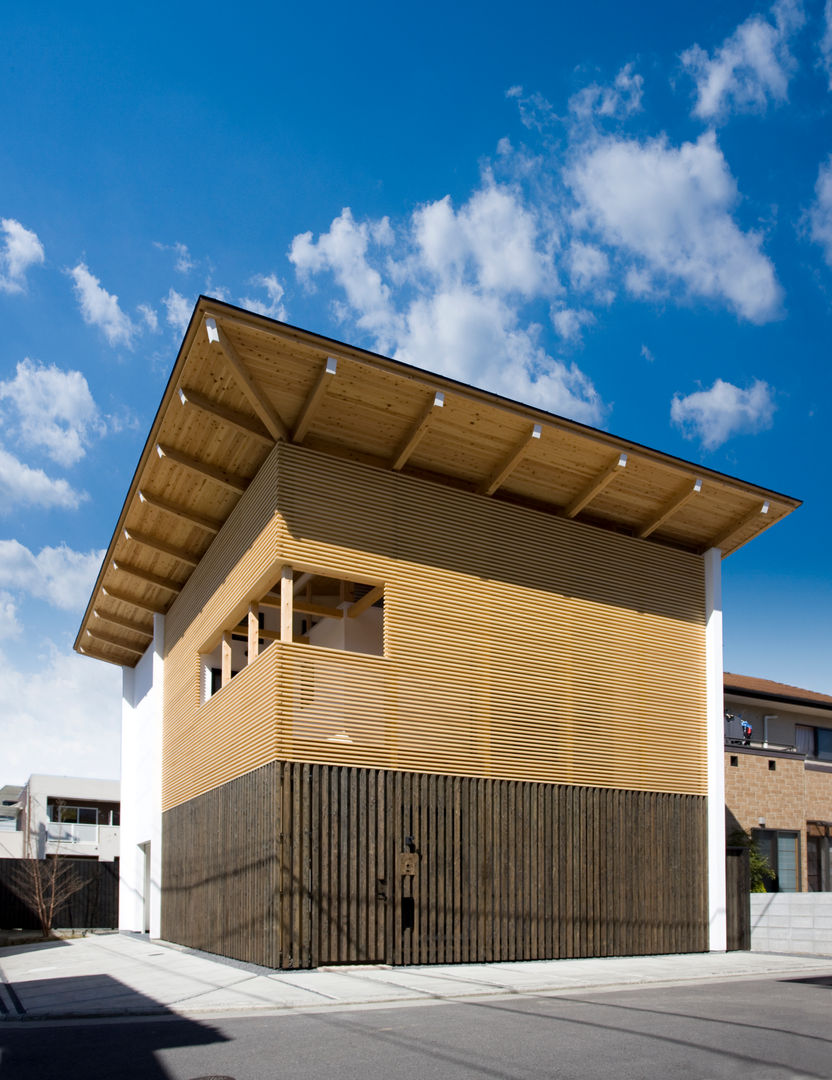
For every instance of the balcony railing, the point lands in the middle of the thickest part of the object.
(64, 832)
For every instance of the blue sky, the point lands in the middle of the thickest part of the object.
(623, 215)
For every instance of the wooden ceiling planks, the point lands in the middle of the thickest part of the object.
(257, 379)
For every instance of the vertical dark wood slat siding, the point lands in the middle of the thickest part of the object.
(297, 865)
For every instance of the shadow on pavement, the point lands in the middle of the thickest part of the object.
(60, 1050)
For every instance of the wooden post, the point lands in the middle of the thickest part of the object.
(253, 632)
(286, 591)
(226, 657)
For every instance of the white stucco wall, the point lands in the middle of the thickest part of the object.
(141, 789)
(717, 908)
(791, 923)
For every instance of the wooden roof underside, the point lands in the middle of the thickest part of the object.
(242, 381)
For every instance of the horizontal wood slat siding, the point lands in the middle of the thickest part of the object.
(203, 745)
(296, 865)
(518, 645)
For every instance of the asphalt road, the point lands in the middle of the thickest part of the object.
(761, 1029)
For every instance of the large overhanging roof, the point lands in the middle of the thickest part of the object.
(242, 382)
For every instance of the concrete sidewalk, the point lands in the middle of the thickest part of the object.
(125, 975)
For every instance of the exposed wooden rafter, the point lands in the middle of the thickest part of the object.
(503, 471)
(596, 486)
(125, 624)
(316, 395)
(418, 432)
(146, 576)
(108, 639)
(160, 546)
(366, 601)
(725, 541)
(144, 605)
(190, 516)
(257, 399)
(673, 504)
(247, 424)
(201, 468)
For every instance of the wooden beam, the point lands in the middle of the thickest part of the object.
(419, 430)
(146, 576)
(145, 605)
(190, 516)
(97, 635)
(498, 477)
(725, 540)
(286, 599)
(316, 395)
(202, 468)
(125, 624)
(160, 546)
(225, 662)
(596, 486)
(302, 607)
(247, 424)
(673, 504)
(257, 399)
(253, 632)
(366, 601)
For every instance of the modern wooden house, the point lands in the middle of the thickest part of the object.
(413, 673)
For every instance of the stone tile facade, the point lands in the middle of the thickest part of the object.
(784, 797)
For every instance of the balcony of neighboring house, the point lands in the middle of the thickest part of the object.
(84, 829)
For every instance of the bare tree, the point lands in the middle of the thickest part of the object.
(44, 884)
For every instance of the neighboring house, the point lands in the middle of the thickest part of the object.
(11, 840)
(397, 660)
(65, 815)
(778, 778)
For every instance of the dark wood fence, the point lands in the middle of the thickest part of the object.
(300, 865)
(738, 898)
(93, 906)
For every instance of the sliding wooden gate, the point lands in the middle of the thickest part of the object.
(297, 865)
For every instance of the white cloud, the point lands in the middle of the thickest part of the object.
(9, 626)
(100, 308)
(751, 67)
(21, 485)
(59, 575)
(588, 265)
(570, 322)
(63, 716)
(55, 410)
(178, 311)
(447, 291)
(714, 415)
(275, 308)
(820, 213)
(668, 211)
(536, 113)
(647, 353)
(826, 41)
(149, 317)
(620, 100)
(184, 262)
(21, 250)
